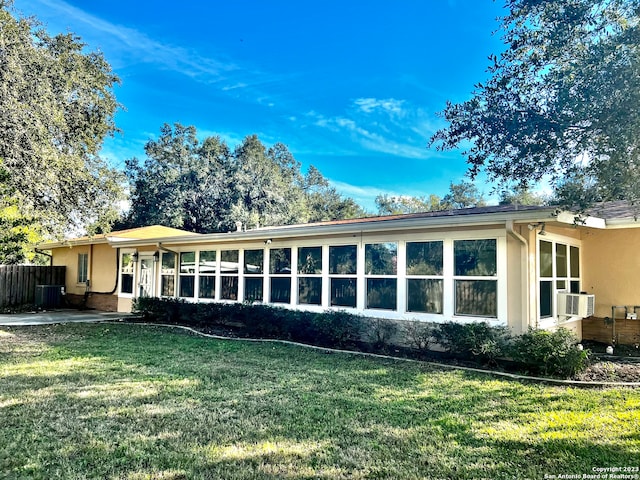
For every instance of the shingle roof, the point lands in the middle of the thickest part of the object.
(619, 210)
(439, 213)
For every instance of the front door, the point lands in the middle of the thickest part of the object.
(147, 276)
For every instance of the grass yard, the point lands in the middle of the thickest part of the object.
(136, 402)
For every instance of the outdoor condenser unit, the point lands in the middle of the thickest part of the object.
(576, 305)
(48, 296)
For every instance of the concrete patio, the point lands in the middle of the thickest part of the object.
(59, 316)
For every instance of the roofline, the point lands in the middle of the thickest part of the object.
(72, 243)
(366, 225)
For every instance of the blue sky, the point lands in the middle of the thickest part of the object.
(352, 86)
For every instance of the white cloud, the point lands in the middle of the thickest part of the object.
(133, 45)
(390, 106)
(385, 142)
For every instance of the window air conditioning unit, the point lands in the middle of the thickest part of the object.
(576, 305)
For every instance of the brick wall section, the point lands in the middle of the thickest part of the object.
(104, 303)
(627, 332)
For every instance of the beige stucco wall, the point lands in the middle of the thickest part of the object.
(68, 256)
(611, 264)
(101, 268)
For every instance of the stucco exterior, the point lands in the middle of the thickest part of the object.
(537, 252)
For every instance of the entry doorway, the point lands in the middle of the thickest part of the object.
(147, 276)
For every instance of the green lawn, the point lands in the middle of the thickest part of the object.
(136, 402)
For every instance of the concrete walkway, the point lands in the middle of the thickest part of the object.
(59, 316)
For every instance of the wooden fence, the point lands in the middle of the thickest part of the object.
(18, 282)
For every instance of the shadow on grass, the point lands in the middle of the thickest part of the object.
(128, 401)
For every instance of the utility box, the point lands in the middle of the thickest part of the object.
(49, 296)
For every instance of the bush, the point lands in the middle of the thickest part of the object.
(419, 335)
(335, 328)
(549, 353)
(478, 340)
(329, 329)
(380, 332)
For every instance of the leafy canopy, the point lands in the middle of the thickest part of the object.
(207, 187)
(460, 195)
(560, 103)
(57, 107)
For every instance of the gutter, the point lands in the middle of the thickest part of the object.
(354, 228)
(524, 276)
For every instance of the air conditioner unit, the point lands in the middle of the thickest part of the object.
(576, 305)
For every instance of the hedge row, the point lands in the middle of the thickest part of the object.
(536, 351)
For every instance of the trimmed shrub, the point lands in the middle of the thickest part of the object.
(380, 332)
(549, 353)
(419, 335)
(335, 328)
(329, 329)
(476, 341)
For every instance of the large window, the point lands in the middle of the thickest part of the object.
(207, 265)
(168, 275)
(126, 273)
(229, 266)
(280, 275)
(187, 274)
(343, 266)
(559, 270)
(83, 267)
(253, 275)
(476, 282)
(381, 268)
(425, 280)
(310, 275)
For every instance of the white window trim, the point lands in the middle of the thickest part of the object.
(122, 294)
(360, 241)
(553, 238)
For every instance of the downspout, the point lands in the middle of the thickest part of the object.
(42, 252)
(115, 287)
(524, 276)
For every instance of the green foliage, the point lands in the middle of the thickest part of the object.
(549, 353)
(461, 195)
(57, 107)
(420, 335)
(537, 351)
(394, 205)
(558, 101)
(522, 196)
(381, 332)
(477, 340)
(206, 187)
(328, 329)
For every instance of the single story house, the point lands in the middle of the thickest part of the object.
(519, 266)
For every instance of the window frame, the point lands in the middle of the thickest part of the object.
(414, 278)
(350, 277)
(573, 246)
(306, 276)
(122, 273)
(83, 268)
(387, 279)
(280, 277)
